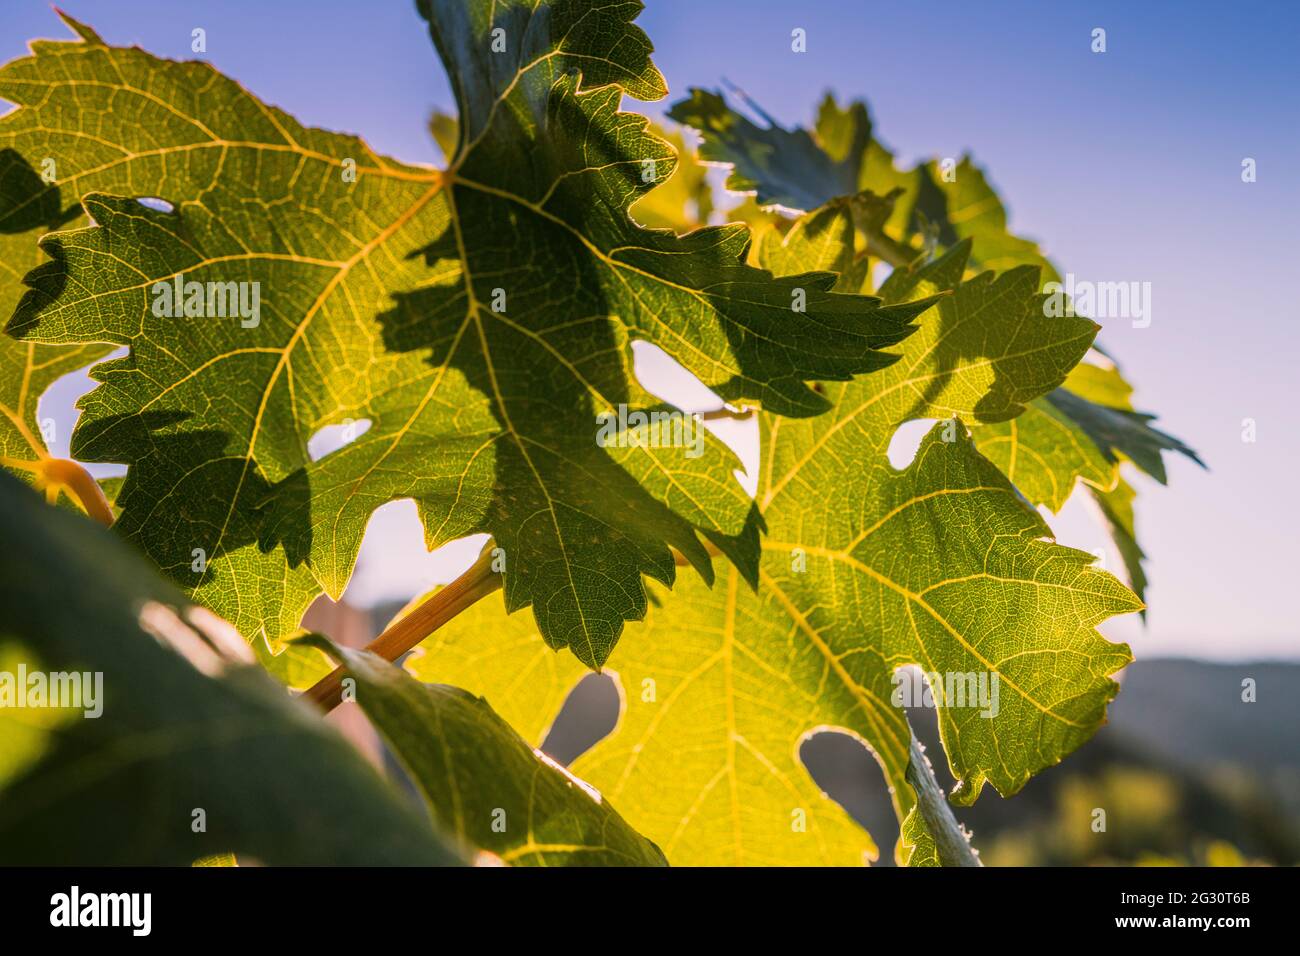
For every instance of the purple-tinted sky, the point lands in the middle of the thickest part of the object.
(1125, 165)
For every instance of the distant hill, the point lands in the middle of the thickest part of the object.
(1192, 712)
(1184, 768)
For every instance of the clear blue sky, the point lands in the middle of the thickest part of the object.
(1126, 165)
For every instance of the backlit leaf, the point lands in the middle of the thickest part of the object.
(482, 782)
(30, 206)
(865, 569)
(478, 318)
(949, 200)
(1077, 432)
(1081, 432)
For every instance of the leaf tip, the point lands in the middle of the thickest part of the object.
(87, 35)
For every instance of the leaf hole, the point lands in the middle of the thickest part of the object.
(847, 770)
(664, 377)
(331, 438)
(57, 413)
(156, 204)
(906, 442)
(588, 716)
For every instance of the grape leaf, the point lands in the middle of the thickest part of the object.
(445, 131)
(26, 371)
(805, 169)
(1080, 431)
(29, 207)
(865, 569)
(296, 665)
(479, 318)
(916, 844)
(1116, 506)
(180, 727)
(684, 200)
(824, 237)
(1120, 432)
(482, 782)
(962, 205)
(667, 765)
(781, 167)
(1083, 431)
(1071, 437)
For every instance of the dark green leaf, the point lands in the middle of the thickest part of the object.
(183, 729)
(482, 782)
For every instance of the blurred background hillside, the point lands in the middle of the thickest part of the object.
(1186, 771)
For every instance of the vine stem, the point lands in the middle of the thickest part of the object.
(56, 475)
(895, 253)
(727, 414)
(950, 840)
(476, 583)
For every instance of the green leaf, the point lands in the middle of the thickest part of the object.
(805, 169)
(988, 352)
(379, 301)
(960, 204)
(1042, 452)
(782, 167)
(295, 665)
(445, 131)
(29, 207)
(481, 781)
(706, 792)
(841, 132)
(26, 371)
(865, 569)
(1119, 432)
(684, 200)
(1082, 432)
(916, 846)
(181, 727)
(1116, 508)
(821, 241)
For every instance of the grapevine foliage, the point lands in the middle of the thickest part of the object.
(1080, 432)
(940, 565)
(470, 325)
(478, 317)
